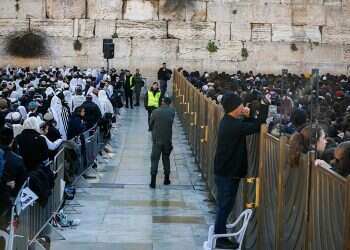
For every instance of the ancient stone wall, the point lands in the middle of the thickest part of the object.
(294, 34)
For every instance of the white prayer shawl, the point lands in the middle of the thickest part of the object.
(68, 98)
(77, 100)
(32, 123)
(106, 105)
(73, 84)
(22, 110)
(56, 109)
(94, 97)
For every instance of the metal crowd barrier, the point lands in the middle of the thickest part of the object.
(35, 220)
(304, 207)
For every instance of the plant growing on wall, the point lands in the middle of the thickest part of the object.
(26, 44)
(115, 35)
(293, 47)
(77, 45)
(211, 47)
(244, 53)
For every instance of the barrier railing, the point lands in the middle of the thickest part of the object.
(304, 207)
(35, 220)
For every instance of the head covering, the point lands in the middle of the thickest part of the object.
(48, 117)
(13, 118)
(31, 123)
(231, 101)
(32, 105)
(49, 91)
(56, 109)
(3, 103)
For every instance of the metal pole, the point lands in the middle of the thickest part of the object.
(107, 65)
(284, 76)
(316, 82)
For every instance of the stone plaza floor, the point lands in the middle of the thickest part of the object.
(119, 211)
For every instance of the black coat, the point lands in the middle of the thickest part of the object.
(14, 170)
(231, 152)
(92, 113)
(32, 147)
(75, 126)
(164, 75)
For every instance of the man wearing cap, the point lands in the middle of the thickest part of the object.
(129, 86)
(161, 125)
(231, 162)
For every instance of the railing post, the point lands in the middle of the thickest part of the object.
(280, 191)
(347, 216)
(262, 149)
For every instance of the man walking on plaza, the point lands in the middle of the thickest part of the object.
(129, 86)
(161, 125)
(164, 76)
(139, 83)
(231, 161)
(152, 100)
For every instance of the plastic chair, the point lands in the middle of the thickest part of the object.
(210, 244)
(4, 237)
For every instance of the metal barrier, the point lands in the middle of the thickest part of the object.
(304, 207)
(35, 220)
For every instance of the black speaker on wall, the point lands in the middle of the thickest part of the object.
(108, 48)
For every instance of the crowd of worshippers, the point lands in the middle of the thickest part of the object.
(313, 116)
(41, 109)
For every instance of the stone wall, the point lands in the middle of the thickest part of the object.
(294, 34)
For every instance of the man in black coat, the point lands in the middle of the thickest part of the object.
(231, 162)
(92, 112)
(164, 76)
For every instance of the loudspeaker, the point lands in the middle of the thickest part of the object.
(108, 48)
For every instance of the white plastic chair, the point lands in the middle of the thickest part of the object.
(210, 244)
(4, 236)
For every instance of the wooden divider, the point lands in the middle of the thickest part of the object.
(289, 216)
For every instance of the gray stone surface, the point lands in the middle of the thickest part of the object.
(119, 211)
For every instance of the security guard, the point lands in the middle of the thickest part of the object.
(129, 87)
(152, 100)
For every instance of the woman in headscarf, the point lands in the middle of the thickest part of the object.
(31, 145)
(59, 116)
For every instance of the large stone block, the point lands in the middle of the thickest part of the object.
(32, 8)
(288, 33)
(227, 51)
(140, 10)
(164, 49)
(105, 28)
(142, 29)
(308, 14)
(271, 13)
(8, 9)
(59, 28)
(105, 9)
(193, 49)
(336, 35)
(220, 12)
(86, 28)
(261, 32)
(241, 31)
(183, 10)
(223, 31)
(60, 9)
(8, 26)
(191, 30)
(63, 47)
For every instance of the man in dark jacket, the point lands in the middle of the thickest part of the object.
(139, 83)
(161, 125)
(164, 76)
(92, 112)
(129, 86)
(14, 173)
(231, 162)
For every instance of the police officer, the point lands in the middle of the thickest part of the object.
(129, 86)
(152, 100)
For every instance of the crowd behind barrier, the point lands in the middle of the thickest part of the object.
(53, 124)
(296, 207)
(35, 219)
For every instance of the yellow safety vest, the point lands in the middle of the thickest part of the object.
(130, 83)
(153, 100)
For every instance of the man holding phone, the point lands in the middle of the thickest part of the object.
(231, 162)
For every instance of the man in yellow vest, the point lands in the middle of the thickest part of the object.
(152, 100)
(129, 87)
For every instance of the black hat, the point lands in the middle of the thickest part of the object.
(230, 101)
